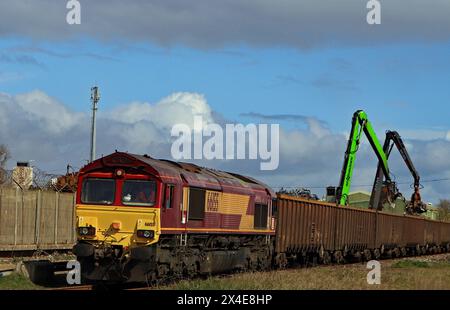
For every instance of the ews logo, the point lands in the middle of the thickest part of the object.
(212, 204)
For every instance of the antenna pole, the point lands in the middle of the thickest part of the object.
(95, 97)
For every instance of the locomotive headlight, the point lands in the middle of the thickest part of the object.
(86, 231)
(119, 173)
(147, 234)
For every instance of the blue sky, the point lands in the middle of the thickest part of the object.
(318, 61)
(400, 86)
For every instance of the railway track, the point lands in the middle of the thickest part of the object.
(74, 288)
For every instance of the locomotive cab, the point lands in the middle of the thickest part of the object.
(118, 221)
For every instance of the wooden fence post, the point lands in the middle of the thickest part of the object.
(38, 217)
(16, 216)
(56, 216)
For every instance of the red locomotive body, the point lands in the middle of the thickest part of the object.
(188, 219)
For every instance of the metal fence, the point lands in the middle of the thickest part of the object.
(36, 220)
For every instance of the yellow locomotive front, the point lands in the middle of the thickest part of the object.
(118, 221)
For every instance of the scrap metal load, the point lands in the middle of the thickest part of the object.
(67, 182)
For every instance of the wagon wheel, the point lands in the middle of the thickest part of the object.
(376, 254)
(281, 261)
(338, 257)
(403, 251)
(367, 255)
(326, 258)
(357, 256)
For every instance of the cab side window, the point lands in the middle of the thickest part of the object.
(260, 219)
(169, 192)
(196, 204)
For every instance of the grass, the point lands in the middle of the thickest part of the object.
(423, 273)
(407, 263)
(16, 281)
(404, 274)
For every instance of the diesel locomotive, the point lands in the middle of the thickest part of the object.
(140, 219)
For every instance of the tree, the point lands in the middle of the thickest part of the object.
(444, 210)
(4, 156)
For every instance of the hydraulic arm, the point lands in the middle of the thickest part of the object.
(379, 187)
(360, 124)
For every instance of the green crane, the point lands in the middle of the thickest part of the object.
(360, 124)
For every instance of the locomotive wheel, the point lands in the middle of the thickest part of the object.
(162, 270)
(252, 264)
(190, 270)
(263, 263)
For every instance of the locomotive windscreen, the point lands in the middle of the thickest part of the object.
(98, 191)
(138, 192)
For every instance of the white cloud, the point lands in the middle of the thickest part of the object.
(39, 107)
(173, 109)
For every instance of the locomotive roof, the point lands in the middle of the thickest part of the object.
(180, 172)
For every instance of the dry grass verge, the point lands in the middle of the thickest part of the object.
(424, 273)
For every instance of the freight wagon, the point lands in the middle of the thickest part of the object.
(315, 231)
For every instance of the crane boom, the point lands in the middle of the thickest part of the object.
(416, 205)
(360, 123)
